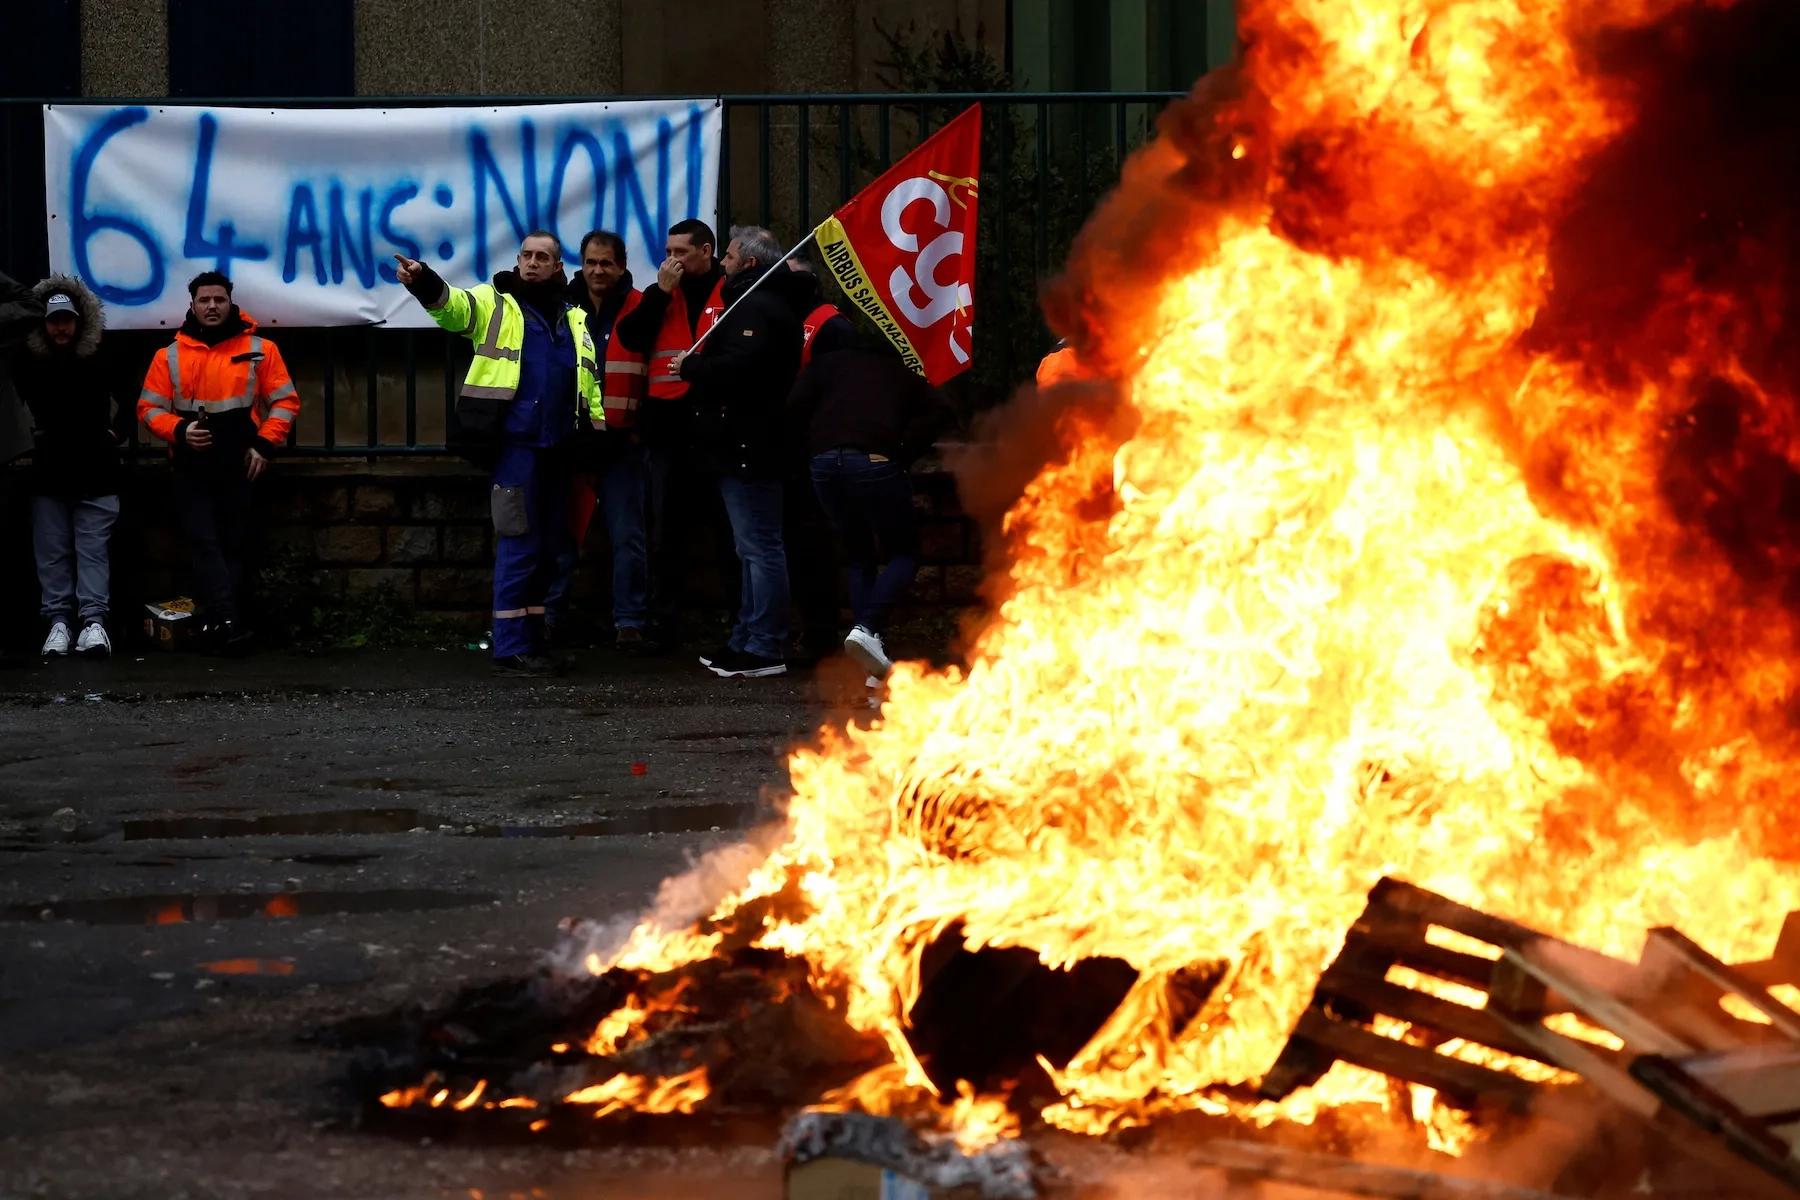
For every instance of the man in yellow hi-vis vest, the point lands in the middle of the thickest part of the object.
(534, 365)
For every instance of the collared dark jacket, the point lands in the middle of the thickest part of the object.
(19, 311)
(741, 375)
(77, 426)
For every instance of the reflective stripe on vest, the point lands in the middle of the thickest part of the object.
(490, 344)
(494, 371)
(186, 403)
(675, 338)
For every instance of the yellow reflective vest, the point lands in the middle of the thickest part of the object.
(496, 324)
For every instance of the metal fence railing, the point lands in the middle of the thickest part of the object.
(787, 162)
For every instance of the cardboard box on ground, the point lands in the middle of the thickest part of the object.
(170, 624)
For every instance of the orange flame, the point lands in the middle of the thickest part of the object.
(1337, 575)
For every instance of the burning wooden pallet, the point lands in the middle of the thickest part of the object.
(1692, 1045)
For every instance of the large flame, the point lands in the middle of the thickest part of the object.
(1361, 556)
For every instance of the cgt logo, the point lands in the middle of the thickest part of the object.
(920, 295)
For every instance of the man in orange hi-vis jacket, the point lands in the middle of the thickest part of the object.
(220, 395)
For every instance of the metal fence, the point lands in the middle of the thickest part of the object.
(786, 162)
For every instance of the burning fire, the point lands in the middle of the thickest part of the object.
(1387, 541)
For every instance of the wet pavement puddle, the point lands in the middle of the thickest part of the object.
(711, 817)
(232, 906)
(347, 821)
(674, 818)
(670, 818)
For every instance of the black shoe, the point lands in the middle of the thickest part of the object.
(236, 640)
(717, 654)
(744, 665)
(632, 641)
(529, 666)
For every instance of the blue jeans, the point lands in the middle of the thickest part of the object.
(624, 485)
(526, 554)
(754, 508)
(71, 537)
(869, 503)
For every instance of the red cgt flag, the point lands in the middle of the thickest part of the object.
(903, 249)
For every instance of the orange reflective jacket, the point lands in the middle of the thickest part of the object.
(188, 377)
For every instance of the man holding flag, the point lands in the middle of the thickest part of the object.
(903, 251)
(740, 378)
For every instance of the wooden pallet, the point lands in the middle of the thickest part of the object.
(1724, 1088)
(1394, 930)
(1247, 1165)
(1690, 1066)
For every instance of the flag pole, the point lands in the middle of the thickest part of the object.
(759, 282)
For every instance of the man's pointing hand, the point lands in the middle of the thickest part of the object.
(407, 269)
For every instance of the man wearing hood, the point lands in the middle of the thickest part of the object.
(221, 397)
(609, 464)
(535, 368)
(740, 379)
(76, 471)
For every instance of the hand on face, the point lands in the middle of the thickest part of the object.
(668, 276)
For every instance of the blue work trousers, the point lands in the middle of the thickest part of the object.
(531, 531)
(624, 488)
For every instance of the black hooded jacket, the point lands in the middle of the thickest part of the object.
(741, 376)
(77, 428)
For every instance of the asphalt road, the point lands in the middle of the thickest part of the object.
(202, 861)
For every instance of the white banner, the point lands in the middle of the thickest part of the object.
(305, 207)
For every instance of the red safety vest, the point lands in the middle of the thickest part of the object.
(809, 329)
(629, 377)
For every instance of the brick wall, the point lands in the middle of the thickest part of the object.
(418, 527)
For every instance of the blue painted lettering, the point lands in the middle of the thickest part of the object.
(357, 245)
(523, 218)
(84, 226)
(399, 239)
(303, 233)
(630, 200)
(195, 244)
(565, 152)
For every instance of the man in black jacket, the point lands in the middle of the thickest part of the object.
(864, 418)
(740, 379)
(76, 471)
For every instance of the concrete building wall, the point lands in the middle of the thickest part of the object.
(124, 48)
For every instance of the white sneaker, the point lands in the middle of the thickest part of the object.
(57, 644)
(93, 642)
(866, 649)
